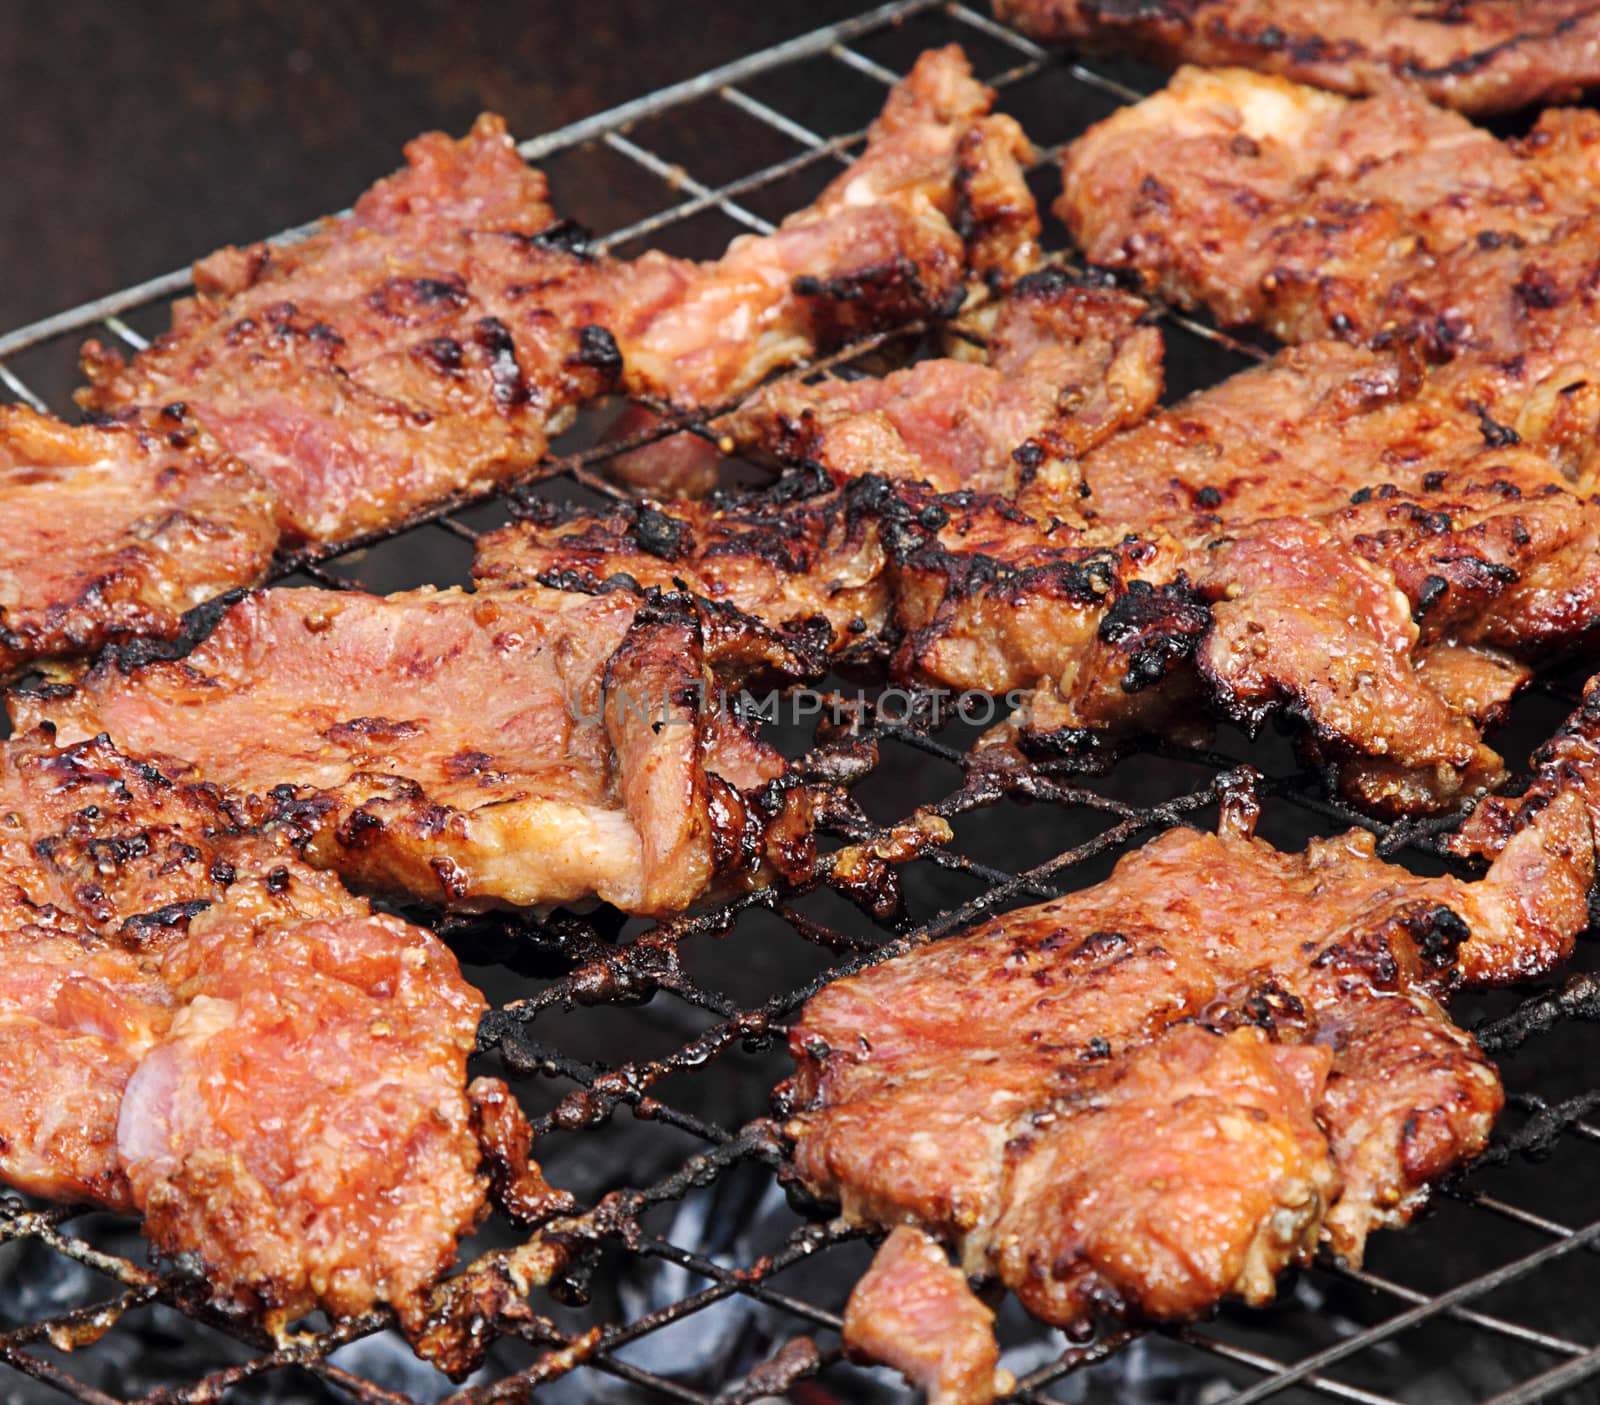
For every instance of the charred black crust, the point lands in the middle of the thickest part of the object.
(1433, 588)
(509, 389)
(564, 236)
(194, 629)
(174, 916)
(659, 534)
(1045, 284)
(1156, 627)
(598, 350)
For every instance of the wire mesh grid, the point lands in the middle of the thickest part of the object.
(1492, 1276)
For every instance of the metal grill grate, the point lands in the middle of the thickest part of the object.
(1490, 1281)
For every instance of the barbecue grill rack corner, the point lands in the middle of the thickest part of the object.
(704, 1003)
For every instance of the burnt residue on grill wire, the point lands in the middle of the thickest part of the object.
(645, 1055)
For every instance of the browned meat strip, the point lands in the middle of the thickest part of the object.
(1161, 1090)
(1568, 765)
(197, 1027)
(962, 590)
(1475, 55)
(1066, 367)
(808, 554)
(1320, 423)
(526, 748)
(912, 1310)
(1316, 216)
(1393, 628)
(937, 193)
(109, 533)
(430, 341)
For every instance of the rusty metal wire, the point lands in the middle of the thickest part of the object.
(580, 965)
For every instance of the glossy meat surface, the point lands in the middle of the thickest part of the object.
(521, 748)
(429, 342)
(1566, 767)
(383, 361)
(1475, 55)
(1061, 368)
(960, 590)
(1161, 1090)
(1277, 205)
(196, 1027)
(808, 558)
(303, 1125)
(112, 533)
(937, 193)
(912, 1310)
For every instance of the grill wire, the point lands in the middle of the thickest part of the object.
(1493, 1277)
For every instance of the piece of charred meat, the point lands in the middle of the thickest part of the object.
(1310, 215)
(1393, 629)
(936, 196)
(111, 533)
(1475, 55)
(1220, 1035)
(1043, 374)
(959, 590)
(196, 1027)
(1568, 765)
(807, 558)
(1344, 493)
(521, 748)
(430, 342)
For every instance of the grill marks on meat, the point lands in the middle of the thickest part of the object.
(431, 340)
(518, 748)
(103, 864)
(1478, 56)
(109, 533)
(1565, 767)
(1393, 492)
(1161, 1090)
(808, 558)
(1315, 216)
(959, 589)
(380, 363)
(196, 1027)
(1391, 629)
(1066, 367)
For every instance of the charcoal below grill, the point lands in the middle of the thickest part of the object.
(703, 1281)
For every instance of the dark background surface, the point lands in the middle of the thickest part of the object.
(140, 136)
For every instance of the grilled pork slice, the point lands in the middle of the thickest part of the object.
(1393, 628)
(912, 1310)
(1568, 765)
(429, 342)
(807, 558)
(111, 533)
(1062, 368)
(1143, 1097)
(959, 589)
(1478, 55)
(525, 747)
(304, 1126)
(1311, 215)
(196, 1027)
(1315, 425)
